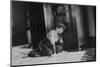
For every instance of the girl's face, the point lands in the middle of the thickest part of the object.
(60, 30)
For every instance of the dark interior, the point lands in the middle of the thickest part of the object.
(19, 23)
(37, 25)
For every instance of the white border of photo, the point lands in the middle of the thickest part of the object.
(5, 32)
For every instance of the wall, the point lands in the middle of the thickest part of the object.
(19, 23)
(91, 22)
(79, 24)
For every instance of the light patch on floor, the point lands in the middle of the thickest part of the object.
(18, 53)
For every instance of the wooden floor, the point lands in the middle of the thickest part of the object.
(19, 57)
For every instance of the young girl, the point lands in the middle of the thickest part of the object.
(52, 44)
(55, 38)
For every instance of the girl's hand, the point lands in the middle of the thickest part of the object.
(61, 41)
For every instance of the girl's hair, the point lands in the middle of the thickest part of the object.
(59, 25)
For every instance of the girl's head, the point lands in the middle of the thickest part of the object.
(60, 28)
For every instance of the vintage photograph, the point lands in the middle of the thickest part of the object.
(52, 33)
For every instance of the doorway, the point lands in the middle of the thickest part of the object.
(37, 23)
